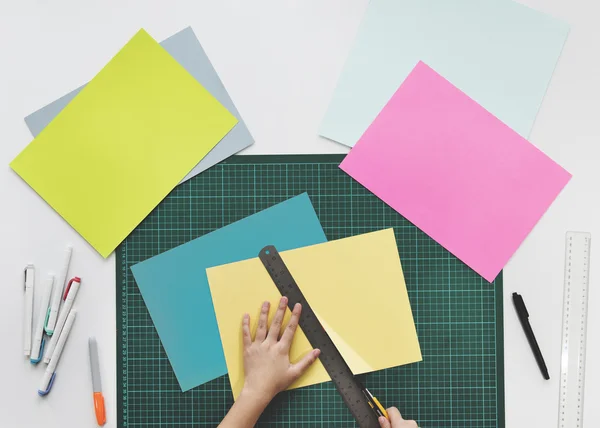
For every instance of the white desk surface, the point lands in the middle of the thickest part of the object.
(279, 60)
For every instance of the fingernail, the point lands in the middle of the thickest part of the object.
(297, 307)
(283, 301)
(382, 419)
(246, 317)
(316, 352)
(265, 306)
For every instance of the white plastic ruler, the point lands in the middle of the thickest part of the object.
(574, 329)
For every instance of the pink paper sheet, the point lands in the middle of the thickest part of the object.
(455, 171)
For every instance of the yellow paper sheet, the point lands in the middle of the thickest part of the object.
(123, 143)
(356, 288)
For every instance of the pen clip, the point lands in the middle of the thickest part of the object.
(32, 361)
(48, 332)
(99, 408)
(29, 266)
(76, 279)
(47, 391)
(520, 305)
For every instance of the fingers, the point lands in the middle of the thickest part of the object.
(246, 336)
(277, 320)
(384, 423)
(261, 331)
(290, 330)
(395, 420)
(301, 366)
(394, 415)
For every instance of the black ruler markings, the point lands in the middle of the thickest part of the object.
(341, 375)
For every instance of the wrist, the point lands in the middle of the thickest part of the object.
(255, 398)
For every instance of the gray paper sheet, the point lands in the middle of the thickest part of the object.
(185, 48)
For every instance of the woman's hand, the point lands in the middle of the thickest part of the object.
(267, 365)
(396, 420)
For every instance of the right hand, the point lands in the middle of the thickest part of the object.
(396, 420)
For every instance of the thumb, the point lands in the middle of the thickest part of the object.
(395, 416)
(384, 423)
(301, 366)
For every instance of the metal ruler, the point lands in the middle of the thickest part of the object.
(574, 329)
(349, 388)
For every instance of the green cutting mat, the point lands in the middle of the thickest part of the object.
(460, 382)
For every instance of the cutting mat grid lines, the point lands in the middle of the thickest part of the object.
(458, 315)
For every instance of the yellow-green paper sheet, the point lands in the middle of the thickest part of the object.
(123, 143)
(354, 285)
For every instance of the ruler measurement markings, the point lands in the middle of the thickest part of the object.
(330, 357)
(575, 301)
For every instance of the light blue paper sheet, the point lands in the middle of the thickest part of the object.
(500, 53)
(188, 52)
(176, 291)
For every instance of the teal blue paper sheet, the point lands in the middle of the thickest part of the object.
(499, 52)
(175, 287)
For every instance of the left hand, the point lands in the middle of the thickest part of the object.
(267, 365)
